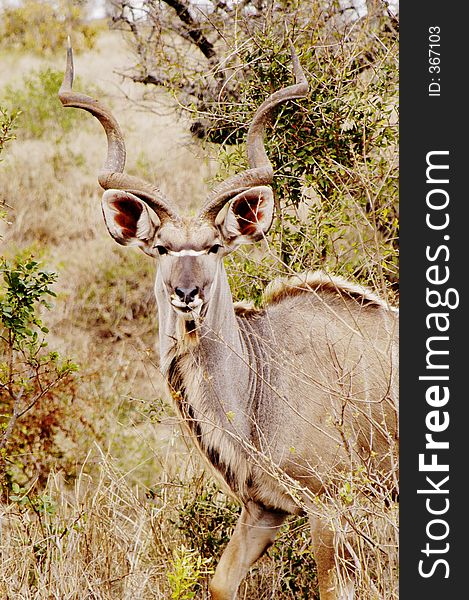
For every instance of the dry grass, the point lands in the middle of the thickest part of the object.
(102, 539)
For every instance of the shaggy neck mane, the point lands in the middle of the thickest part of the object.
(319, 283)
(322, 284)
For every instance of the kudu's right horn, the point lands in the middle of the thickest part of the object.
(112, 174)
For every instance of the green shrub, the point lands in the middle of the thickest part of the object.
(7, 126)
(35, 383)
(41, 111)
(187, 569)
(206, 518)
(42, 26)
(334, 155)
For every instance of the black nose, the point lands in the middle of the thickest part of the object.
(187, 295)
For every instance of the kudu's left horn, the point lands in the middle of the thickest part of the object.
(260, 170)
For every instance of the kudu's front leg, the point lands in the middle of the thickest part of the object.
(331, 586)
(254, 533)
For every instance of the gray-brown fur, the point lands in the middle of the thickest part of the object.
(333, 338)
(293, 392)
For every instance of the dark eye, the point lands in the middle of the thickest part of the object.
(161, 250)
(214, 249)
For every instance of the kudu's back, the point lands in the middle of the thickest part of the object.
(323, 363)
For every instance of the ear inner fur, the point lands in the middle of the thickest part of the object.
(129, 212)
(249, 214)
(129, 219)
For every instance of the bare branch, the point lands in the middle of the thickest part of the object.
(193, 29)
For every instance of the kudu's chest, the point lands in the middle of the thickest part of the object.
(209, 421)
(225, 427)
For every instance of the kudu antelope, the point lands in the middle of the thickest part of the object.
(279, 399)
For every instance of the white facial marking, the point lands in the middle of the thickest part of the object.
(187, 311)
(187, 252)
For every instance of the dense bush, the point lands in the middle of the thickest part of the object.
(334, 156)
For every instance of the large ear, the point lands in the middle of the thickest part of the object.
(248, 216)
(129, 220)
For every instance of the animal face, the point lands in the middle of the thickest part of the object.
(190, 252)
